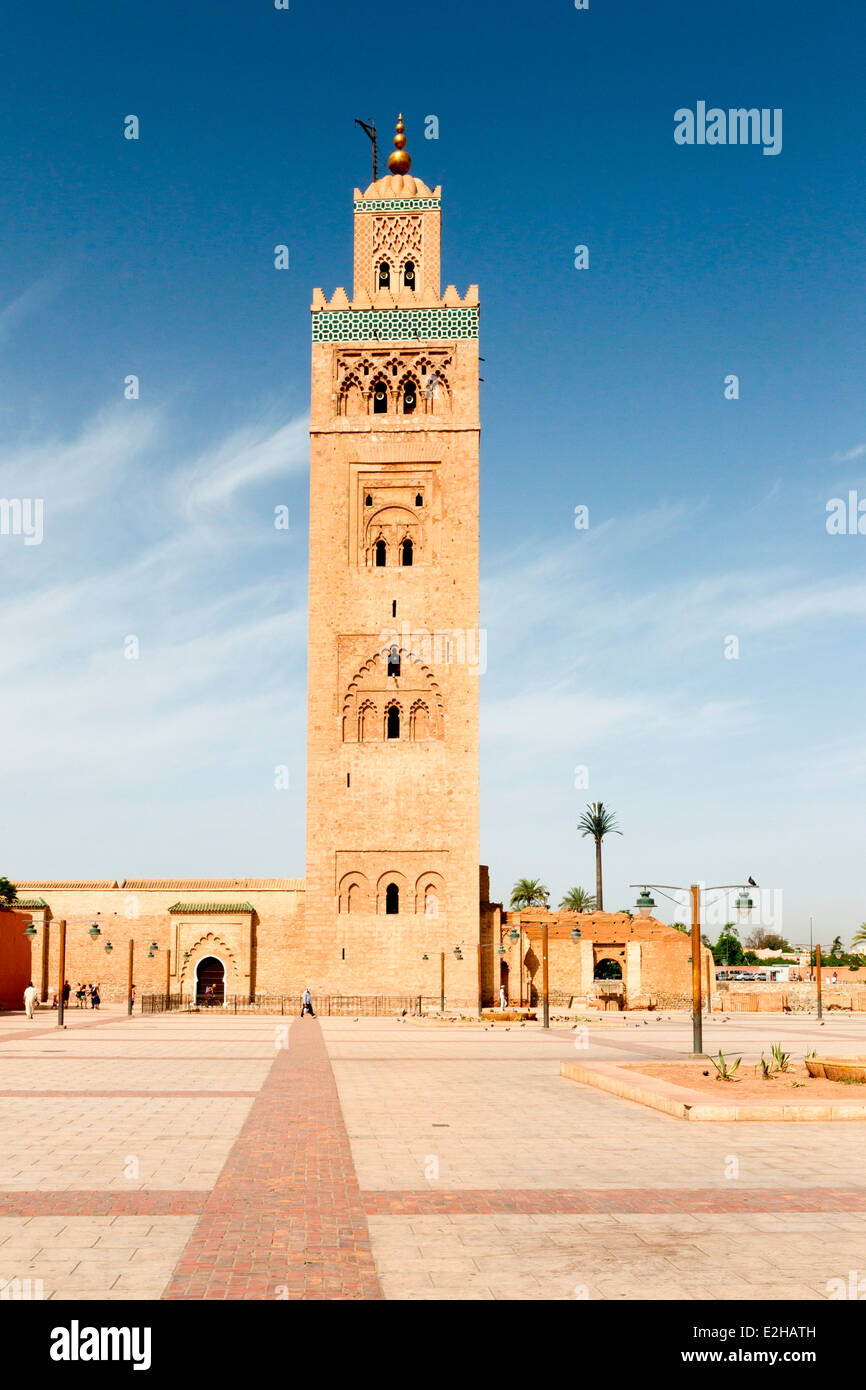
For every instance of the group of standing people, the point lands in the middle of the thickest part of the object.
(82, 994)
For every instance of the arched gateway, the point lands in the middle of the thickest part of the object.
(210, 975)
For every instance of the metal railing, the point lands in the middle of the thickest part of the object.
(328, 1005)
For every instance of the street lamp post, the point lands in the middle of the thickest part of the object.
(744, 903)
(129, 977)
(545, 976)
(60, 1009)
(697, 1025)
(818, 973)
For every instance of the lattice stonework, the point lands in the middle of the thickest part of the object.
(397, 239)
(393, 325)
(398, 205)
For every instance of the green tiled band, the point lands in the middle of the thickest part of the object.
(393, 325)
(397, 204)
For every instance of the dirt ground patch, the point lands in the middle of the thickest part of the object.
(792, 1087)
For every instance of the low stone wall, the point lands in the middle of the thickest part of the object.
(793, 996)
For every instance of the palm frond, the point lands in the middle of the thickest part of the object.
(597, 821)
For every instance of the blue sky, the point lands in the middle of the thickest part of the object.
(603, 387)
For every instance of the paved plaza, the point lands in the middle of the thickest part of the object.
(213, 1156)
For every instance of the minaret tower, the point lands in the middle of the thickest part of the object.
(394, 651)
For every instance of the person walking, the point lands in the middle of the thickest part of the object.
(66, 993)
(503, 1002)
(81, 994)
(30, 998)
(307, 1002)
(94, 997)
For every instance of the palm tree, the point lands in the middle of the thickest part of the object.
(859, 938)
(597, 821)
(529, 892)
(8, 892)
(578, 900)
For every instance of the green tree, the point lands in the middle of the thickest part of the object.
(836, 947)
(578, 900)
(8, 892)
(763, 940)
(597, 822)
(529, 892)
(727, 950)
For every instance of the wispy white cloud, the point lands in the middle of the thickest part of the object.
(222, 642)
(848, 455)
(253, 455)
(30, 301)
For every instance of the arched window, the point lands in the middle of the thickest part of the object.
(393, 723)
(353, 898)
(392, 899)
(394, 661)
(410, 400)
(381, 553)
(368, 500)
(380, 399)
(431, 901)
(607, 969)
(409, 275)
(368, 723)
(406, 549)
(384, 276)
(419, 500)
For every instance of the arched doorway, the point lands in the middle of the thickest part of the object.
(609, 987)
(503, 980)
(210, 981)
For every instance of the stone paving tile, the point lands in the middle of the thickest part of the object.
(536, 1195)
(90, 1259)
(495, 1125)
(286, 1217)
(550, 1257)
(54, 1144)
(649, 1201)
(124, 1075)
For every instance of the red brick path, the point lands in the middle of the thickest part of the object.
(89, 1203)
(286, 1218)
(483, 1202)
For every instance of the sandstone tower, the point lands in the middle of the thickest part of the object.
(392, 733)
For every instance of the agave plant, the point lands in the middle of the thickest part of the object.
(780, 1058)
(725, 1069)
(766, 1068)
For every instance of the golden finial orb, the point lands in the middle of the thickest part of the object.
(400, 162)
